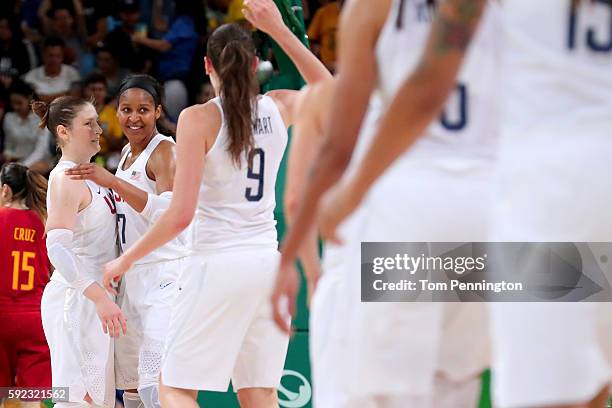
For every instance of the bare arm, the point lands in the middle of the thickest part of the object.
(157, 45)
(161, 167)
(79, 16)
(43, 9)
(355, 81)
(68, 197)
(307, 137)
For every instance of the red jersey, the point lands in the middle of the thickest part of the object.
(24, 265)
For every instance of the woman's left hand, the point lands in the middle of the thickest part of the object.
(93, 172)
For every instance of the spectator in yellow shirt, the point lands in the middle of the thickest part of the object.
(322, 32)
(234, 12)
(112, 140)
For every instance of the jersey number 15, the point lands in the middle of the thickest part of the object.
(21, 264)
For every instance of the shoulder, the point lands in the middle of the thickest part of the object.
(205, 115)
(163, 152)
(199, 122)
(125, 149)
(315, 101)
(162, 160)
(280, 96)
(320, 91)
(66, 189)
(285, 100)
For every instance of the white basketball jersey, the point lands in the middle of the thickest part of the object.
(468, 123)
(557, 66)
(130, 223)
(236, 204)
(95, 228)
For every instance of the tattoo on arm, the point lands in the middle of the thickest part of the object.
(455, 24)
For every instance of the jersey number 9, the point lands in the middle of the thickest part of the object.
(258, 175)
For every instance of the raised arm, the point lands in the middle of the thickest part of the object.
(67, 198)
(196, 126)
(355, 81)
(354, 84)
(414, 107)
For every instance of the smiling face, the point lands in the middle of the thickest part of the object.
(82, 137)
(137, 114)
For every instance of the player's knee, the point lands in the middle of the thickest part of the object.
(257, 397)
(168, 397)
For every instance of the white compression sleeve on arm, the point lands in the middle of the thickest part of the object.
(156, 205)
(61, 255)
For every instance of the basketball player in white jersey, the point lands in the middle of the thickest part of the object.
(327, 291)
(228, 154)
(401, 355)
(142, 188)
(553, 176)
(549, 354)
(81, 237)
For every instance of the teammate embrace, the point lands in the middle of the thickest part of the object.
(214, 323)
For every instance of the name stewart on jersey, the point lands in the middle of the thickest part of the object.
(262, 126)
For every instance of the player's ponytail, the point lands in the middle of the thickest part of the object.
(232, 52)
(61, 111)
(26, 185)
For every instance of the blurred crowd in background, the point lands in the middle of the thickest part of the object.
(50, 48)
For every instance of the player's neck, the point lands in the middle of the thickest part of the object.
(138, 147)
(75, 157)
(17, 204)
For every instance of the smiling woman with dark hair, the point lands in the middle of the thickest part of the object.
(143, 188)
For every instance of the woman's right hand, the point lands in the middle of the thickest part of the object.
(93, 172)
(111, 316)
